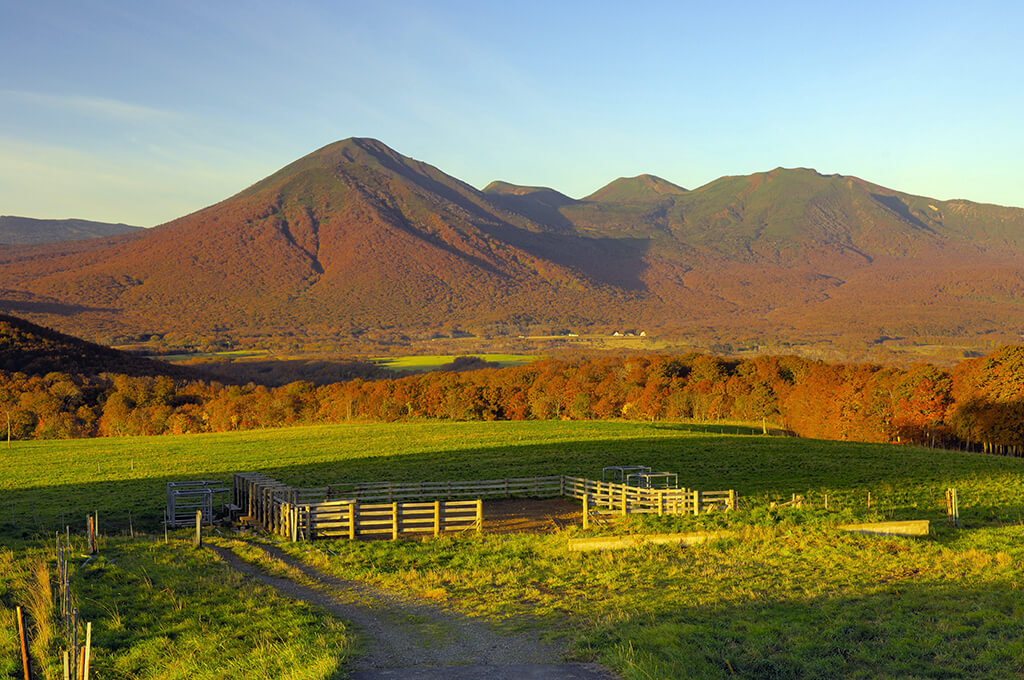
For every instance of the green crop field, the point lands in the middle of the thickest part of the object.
(788, 596)
(430, 362)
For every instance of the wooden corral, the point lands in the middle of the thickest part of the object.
(355, 510)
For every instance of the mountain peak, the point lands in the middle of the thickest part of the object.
(543, 195)
(639, 189)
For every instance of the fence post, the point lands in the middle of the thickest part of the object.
(661, 503)
(91, 526)
(696, 502)
(732, 499)
(88, 650)
(437, 518)
(199, 529)
(479, 515)
(24, 642)
(953, 508)
(586, 511)
(625, 501)
(352, 521)
(561, 486)
(394, 520)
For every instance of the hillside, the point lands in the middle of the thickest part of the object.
(18, 231)
(357, 239)
(34, 350)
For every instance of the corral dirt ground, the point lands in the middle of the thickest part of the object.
(531, 516)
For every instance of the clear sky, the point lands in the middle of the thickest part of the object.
(139, 112)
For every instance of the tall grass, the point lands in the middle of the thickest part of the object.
(25, 582)
(41, 609)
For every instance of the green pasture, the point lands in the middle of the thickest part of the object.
(46, 485)
(430, 362)
(788, 596)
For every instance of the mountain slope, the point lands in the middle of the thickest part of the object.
(358, 237)
(17, 231)
(353, 235)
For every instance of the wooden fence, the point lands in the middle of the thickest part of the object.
(353, 510)
(625, 499)
(349, 519)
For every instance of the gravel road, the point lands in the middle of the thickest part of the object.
(413, 640)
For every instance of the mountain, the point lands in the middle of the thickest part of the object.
(356, 238)
(639, 189)
(28, 231)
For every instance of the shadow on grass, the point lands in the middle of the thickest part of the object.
(760, 469)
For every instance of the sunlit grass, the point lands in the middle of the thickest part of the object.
(789, 600)
(189, 615)
(49, 484)
(427, 362)
(788, 596)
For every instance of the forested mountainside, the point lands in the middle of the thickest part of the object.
(356, 238)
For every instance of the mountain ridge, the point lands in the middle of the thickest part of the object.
(18, 231)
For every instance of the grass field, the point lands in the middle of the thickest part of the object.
(430, 362)
(789, 596)
(47, 484)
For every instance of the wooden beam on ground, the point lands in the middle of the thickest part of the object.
(914, 527)
(620, 542)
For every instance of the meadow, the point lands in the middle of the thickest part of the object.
(788, 596)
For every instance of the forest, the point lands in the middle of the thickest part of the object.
(978, 404)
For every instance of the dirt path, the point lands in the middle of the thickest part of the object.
(412, 640)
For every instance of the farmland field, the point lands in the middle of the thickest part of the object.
(788, 596)
(429, 362)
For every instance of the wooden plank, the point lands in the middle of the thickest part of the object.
(916, 527)
(620, 542)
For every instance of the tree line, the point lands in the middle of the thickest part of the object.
(979, 402)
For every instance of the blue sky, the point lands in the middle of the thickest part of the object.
(141, 112)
